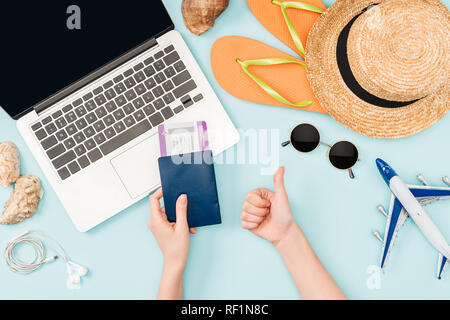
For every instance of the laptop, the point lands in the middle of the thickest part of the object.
(88, 83)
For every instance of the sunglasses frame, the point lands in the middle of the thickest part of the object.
(350, 171)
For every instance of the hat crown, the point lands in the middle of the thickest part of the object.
(399, 50)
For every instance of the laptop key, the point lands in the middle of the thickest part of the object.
(46, 120)
(120, 88)
(139, 115)
(119, 114)
(129, 83)
(156, 119)
(171, 58)
(71, 117)
(168, 98)
(149, 71)
(130, 94)
(148, 97)
(128, 109)
(150, 84)
(90, 105)
(139, 77)
(91, 118)
(129, 121)
(140, 89)
(73, 167)
(100, 138)
(49, 142)
(108, 120)
(61, 135)
(198, 97)
(89, 132)
(110, 106)
(100, 99)
(128, 73)
(138, 103)
(98, 90)
(95, 155)
(36, 126)
(80, 111)
(108, 84)
(118, 78)
(170, 72)
(138, 67)
(81, 124)
(89, 144)
(77, 102)
(64, 173)
(110, 94)
(159, 104)
(69, 143)
(160, 77)
(84, 162)
(71, 129)
(125, 137)
(148, 109)
(169, 49)
(67, 108)
(119, 126)
(167, 113)
(79, 136)
(179, 66)
(168, 85)
(120, 100)
(88, 96)
(184, 89)
(109, 133)
(99, 126)
(182, 77)
(158, 91)
(158, 55)
(51, 128)
(64, 159)
(56, 151)
(57, 114)
(61, 123)
(159, 65)
(178, 109)
(148, 61)
(80, 150)
(100, 112)
(40, 134)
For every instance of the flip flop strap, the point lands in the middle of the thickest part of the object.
(292, 31)
(271, 92)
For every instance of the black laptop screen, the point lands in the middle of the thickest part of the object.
(47, 45)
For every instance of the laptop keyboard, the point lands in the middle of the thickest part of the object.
(116, 112)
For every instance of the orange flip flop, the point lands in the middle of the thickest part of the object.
(289, 21)
(253, 71)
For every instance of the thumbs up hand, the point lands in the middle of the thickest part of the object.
(268, 214)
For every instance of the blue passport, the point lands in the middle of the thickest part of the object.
(191, 174)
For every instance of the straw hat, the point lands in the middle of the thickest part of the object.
(381, 67)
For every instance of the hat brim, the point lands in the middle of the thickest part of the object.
(337, 98)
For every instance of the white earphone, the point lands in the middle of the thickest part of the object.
(75, 277)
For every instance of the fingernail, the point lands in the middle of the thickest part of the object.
(183, 199)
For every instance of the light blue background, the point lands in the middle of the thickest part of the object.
(227, 262)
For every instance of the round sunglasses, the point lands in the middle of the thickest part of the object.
(342, 155)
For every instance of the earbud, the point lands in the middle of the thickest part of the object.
(82, 271)
(74, 278)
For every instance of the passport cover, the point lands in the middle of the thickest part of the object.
(191, 174)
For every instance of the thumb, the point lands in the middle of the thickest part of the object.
(278, 181)
(181, 211)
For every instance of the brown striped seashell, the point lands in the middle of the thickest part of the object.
(199, 15)
(9, 163)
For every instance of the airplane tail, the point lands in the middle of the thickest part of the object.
(442, 265)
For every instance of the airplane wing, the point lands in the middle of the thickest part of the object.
(397, 217)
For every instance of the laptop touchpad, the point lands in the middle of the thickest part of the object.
(137, 167)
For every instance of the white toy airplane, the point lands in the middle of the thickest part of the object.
(407, 201)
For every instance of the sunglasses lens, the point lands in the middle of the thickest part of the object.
(305, 138)
(343, 155)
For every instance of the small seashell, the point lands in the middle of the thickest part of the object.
(199, 15)
(24, 200)
(9, 163)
